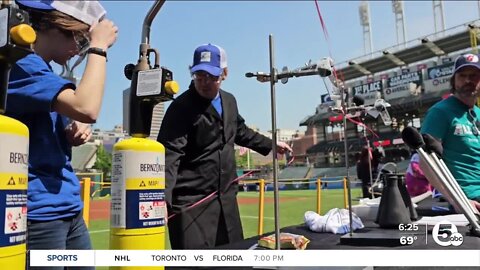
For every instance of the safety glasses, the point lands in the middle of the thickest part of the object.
(82, 41)
(203, 76)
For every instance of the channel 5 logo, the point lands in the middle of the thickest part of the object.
(445, 234)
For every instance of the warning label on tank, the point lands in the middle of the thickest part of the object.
(138, 183)
(146, 209)
(13, 189)
(151, 210)
(117, 201)
(13, 217)
(15, 220)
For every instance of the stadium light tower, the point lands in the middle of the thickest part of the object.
(364, 12)
(397, 7)
(438, 17)
(478, 3)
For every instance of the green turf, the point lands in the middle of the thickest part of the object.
(292, 207)
(291, 211)
(99, 233)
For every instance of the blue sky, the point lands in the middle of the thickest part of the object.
(242, 29)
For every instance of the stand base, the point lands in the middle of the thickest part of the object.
(474, 232)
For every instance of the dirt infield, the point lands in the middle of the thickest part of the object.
(100, 209)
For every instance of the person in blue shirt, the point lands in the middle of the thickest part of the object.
(455, 122)
(54, 109)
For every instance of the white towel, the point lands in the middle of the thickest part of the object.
(335, 221)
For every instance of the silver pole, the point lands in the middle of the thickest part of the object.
(404, 28)
(273, 79)
(369, 159)
(345, 144)
(434, 17)
(478, 4)
(147, 22)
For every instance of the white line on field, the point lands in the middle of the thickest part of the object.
(99, 231)
(255, 217)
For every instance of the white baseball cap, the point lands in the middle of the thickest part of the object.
(89, 12)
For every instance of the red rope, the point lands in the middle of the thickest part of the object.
(364, 126)
(335, 73)
(322, 22)
(215, 192)
(326, 35)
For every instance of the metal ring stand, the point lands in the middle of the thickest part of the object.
(273, 77)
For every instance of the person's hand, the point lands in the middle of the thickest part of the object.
(78, 133)
(282, 148)
(103, 34)
(475, 205)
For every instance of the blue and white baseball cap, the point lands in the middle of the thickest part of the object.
(89, 12)
(210, 58)
(465, 60)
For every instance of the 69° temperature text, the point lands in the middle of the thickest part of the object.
(407, 240)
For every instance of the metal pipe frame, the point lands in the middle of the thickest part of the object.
(438, 176)
(147, 22)
(456, 187)
(273, 80)
(345, 144)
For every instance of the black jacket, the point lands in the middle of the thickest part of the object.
(200, 159)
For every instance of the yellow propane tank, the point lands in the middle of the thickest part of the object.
(13, 193)
(138, 209)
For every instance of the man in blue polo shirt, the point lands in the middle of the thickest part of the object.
(455, 122)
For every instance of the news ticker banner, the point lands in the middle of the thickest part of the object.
(270, 258)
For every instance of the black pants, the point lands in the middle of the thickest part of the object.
(199, 228)
(365, 192)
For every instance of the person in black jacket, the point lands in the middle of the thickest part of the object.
(366, 170)
(199, 131)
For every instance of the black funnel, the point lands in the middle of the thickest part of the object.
(392, 210)
(406, 197)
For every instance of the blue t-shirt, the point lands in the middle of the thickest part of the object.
(450, 121)
(53, 187)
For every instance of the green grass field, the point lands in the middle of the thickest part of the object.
(293, 205)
